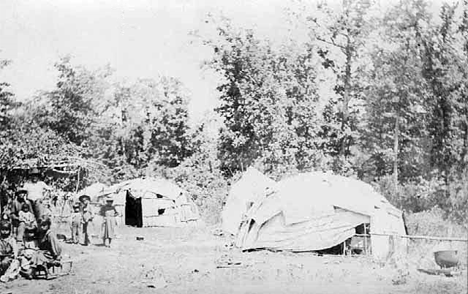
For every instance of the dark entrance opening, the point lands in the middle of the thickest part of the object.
(133, 215)
(356, 245)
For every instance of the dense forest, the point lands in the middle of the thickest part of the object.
(375, 92)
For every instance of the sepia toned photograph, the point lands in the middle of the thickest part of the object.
(244, 146)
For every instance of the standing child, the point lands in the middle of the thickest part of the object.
(108, 213)
(76, 221)
(87, 216)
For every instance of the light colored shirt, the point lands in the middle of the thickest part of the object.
(87, 212)
(27, 217)
(36, 190)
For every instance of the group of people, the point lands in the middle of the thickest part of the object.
(26, 240)
(39, 248)
(27, 243)
(83, 215)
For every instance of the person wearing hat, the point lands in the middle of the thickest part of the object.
(16, 208)
(36, 192)
(87, 216)
(108, 213)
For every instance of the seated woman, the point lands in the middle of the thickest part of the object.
(49, 248)
(29, 248)
(9, 265)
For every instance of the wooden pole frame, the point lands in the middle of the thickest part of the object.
(416, 237)
(365, 239)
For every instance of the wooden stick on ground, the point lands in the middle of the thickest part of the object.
(416, 237)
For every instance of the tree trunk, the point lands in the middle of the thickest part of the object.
(465, 151)
(347, 92)
(396, 147)
(347, 83)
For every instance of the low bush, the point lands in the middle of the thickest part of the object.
(433, 223)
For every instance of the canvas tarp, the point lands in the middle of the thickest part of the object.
(316, 211)
(249, 189)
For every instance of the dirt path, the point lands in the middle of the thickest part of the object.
(185, 261)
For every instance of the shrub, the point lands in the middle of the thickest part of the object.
(433, 223)
(205, 183)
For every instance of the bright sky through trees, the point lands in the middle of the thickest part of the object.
(140, 39)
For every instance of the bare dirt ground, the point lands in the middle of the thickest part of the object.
(185, 260)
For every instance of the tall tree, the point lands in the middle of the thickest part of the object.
(6, 101)
(142, 125)
(69, 109)
(343, 31)
(445, 58)
(269, 102)
(396, 96)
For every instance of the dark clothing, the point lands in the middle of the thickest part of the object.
(39, 208)
(49, 243)
(49, 250)
(86, 240)
(5, 264)
(6, 255)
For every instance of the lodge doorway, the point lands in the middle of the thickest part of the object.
(133, 213)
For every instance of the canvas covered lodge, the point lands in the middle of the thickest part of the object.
(314, 212)
(151, 202)
(249, 189)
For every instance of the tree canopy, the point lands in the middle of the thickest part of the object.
(376, 92)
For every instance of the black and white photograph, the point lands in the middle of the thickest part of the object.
(243, 146)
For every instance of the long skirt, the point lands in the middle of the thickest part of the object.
(108, 227)
(42, 257)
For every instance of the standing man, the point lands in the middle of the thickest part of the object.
(17, 206)
(36, 192)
